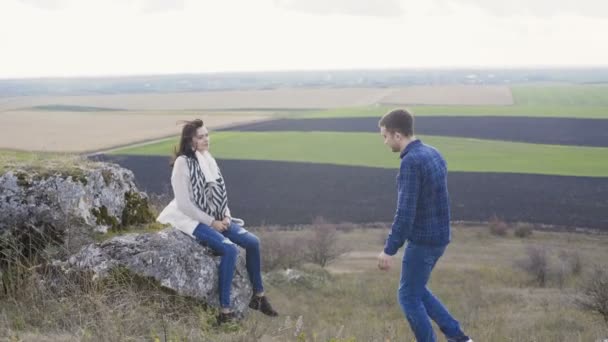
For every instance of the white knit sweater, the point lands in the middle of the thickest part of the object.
(182, 213)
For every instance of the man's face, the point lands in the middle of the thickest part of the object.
(391, 139)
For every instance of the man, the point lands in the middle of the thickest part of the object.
(422, 219)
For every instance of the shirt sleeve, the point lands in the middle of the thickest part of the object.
(180, 182)
(409, 181)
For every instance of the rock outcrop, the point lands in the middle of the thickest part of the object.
(171, 257)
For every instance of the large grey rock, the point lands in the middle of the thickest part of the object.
(95, 195)
(173, 258)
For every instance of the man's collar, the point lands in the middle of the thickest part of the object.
(409, 147)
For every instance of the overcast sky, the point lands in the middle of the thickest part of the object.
(127, 37)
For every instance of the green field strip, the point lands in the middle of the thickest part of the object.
(367, 149)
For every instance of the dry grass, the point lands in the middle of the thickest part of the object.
(252, 99)
(298, 98)
(476, 279)
(450, 95)
(41, 162)
(84, 132)
(144, 117)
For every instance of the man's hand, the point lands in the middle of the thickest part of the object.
(384, 261)
(220, 226)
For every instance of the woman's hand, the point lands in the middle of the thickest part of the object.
(227, 221)
(220, 226)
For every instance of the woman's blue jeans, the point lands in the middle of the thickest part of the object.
(224, 245)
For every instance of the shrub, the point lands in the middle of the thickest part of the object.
(573, 261)
(322, 246)
(523, 231)
(594, 292)
(280, 251)
(498, 227)
(536, 264)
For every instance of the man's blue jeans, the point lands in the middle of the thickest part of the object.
(417, 301)
(224, 245)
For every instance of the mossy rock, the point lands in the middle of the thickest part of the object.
(26, 179)
(103, 218)
(107, 176)
(122, 277)
(137, 210)
(150, 228)
(23, 179)
(79, 176)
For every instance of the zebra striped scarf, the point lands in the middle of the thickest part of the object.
(210, 196)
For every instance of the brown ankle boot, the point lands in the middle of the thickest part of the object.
(226, 317)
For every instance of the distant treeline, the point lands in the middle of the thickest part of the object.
(272, 80)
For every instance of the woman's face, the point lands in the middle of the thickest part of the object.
(200, 141)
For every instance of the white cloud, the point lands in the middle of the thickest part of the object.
(109, 37)
(47, 4)
(591, 8)
(144, 5)
(379, 8)
(161, 5)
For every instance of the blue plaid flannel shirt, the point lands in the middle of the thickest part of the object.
(423, 206)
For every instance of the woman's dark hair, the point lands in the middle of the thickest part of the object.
(185, 141)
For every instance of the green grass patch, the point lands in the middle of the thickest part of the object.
(153, 227)
(367, 149)
(567, 95)
(12, 159)
(557, 111)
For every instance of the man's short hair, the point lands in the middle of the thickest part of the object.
(398, 120)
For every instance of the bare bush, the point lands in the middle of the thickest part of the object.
(322, 246)
(280, 251)
(569, 264)
(545, 268)
(523, 230)
(594, 292)
(573, 261)
(346, 227)
(560, 272)
(498, 227)
(536, 264)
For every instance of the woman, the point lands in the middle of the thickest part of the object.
(200, 209)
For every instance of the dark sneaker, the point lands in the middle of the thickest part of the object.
(262, 304)
(226, 317)
(463, 338)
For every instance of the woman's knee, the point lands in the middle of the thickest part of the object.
(254, 242)
(230, 249)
